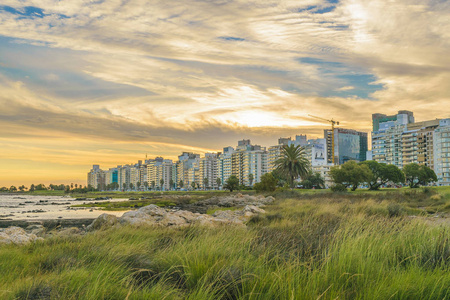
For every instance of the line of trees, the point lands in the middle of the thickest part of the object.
(375, 175)
(72, 188)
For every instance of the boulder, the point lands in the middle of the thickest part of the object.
(173, 220)
(251, 210)
(228, 216)
(68, 232)
(103, 221)
(4, 238)
(153, 210)
(36, 229)
(17, 235)
(156, 216)
(137, 218)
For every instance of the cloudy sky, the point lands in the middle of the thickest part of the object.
(84, 82)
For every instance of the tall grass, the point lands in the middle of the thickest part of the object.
(301, 249)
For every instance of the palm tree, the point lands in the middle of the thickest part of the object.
(293, 163)
(162, 183)
(205, 183)
(171, 183)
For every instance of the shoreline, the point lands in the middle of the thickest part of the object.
(48, 223)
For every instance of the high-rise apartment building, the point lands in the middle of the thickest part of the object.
(246, 159)
(225, 164)
(96, 177)
(160, 170)
(417, 143)
(441, 145)
(316, 152)
(187, 161)
(398, 140)
(209, 169)
(387, 136)
(274, 152)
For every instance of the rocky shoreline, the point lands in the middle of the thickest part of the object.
(244, 208)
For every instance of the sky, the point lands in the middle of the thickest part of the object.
(108, 82)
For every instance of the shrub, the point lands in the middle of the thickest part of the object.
(268, 183)
(338, 188)
(395, 210)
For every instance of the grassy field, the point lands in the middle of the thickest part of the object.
(316, 245)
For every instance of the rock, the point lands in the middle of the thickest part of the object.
(173, 220)
(228, 216)
(4, 238)
(14, 230)
(204, 220)
(38, 230)
(104, 220)
(269, 199)
(153, 215)
(17, 235)
(137, 218)
(153, 210)
(68, 232)
(253, 209)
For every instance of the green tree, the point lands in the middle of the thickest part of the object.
(292, 164)
(382, 174)
(161, 182)
(22, 188)
(153, 183)
(193, 185)
(313, 180)
(4, 189)
(13, 189)
(146, 185)
(138, 184)
(171, 183)
(268, 183)
(251, 178)
(218, 182)
(232, 183)
(181, 184)
(124, 186)
(40, 187)
(205, 183)
(417, 175)
(350, 174)
(131, 186)
(32, 188)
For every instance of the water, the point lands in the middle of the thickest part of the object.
(29, 207)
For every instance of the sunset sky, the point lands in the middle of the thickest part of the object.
(105, 82)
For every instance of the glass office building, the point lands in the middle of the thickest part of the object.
(349, 144)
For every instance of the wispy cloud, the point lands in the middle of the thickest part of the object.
(202, 74)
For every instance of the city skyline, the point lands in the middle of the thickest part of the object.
(106, 82)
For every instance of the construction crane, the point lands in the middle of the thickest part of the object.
(333, 123)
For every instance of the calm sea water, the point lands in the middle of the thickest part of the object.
(27, 207)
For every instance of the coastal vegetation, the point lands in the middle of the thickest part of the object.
(388, 244)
